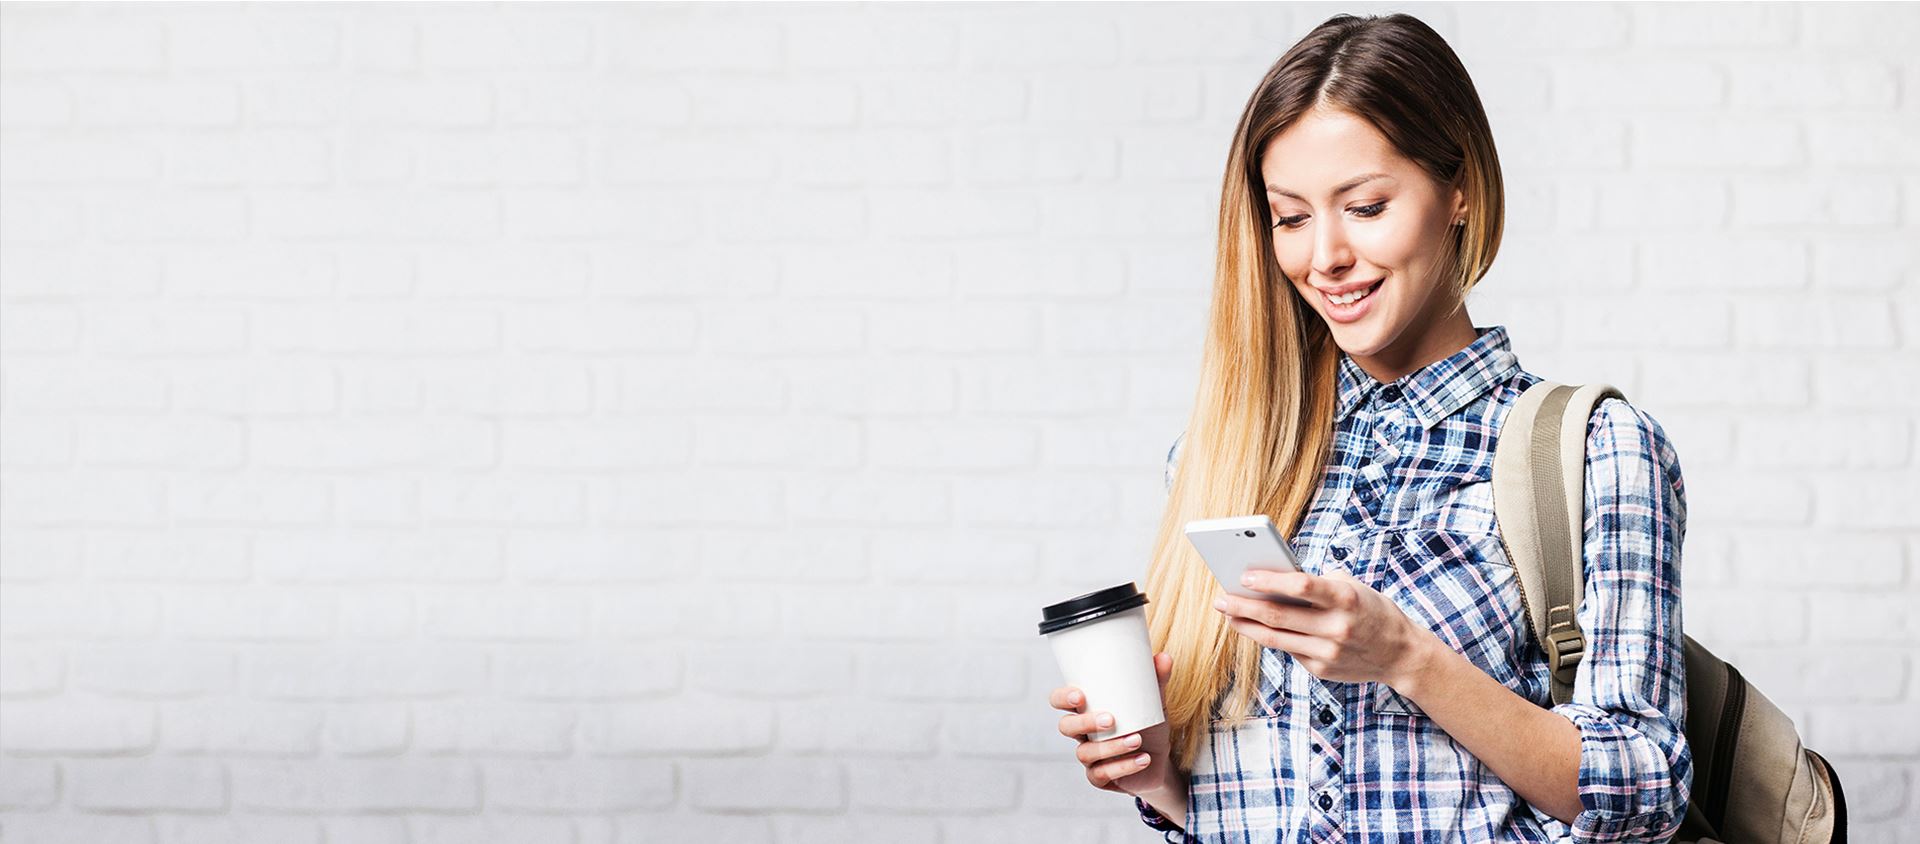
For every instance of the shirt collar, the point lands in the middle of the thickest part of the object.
(1433, 392)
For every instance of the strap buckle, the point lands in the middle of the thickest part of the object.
(1565, 644)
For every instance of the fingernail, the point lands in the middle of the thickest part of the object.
(1246, 580)
(1133, 740)
(1106, 720)
(1140, 760)
(1219, 603)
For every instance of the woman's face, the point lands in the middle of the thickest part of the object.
(1351, 213)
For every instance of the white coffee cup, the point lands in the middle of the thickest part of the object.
(1100, 641)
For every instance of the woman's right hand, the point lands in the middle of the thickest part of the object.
(1114, 764)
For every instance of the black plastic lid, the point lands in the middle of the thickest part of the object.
(1090, 606)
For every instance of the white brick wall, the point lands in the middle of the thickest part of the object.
(629, 423)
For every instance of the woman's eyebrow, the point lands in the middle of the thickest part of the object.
(1343, 187)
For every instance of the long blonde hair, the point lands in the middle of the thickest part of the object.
(1261, 429)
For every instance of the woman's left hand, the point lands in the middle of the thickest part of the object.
(1351, 633)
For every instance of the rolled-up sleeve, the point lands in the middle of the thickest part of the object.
(1629, 701)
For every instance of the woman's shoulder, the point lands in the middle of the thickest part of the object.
(1617, 428)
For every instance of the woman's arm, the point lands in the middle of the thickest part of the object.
(1534, 751)
(1170, 800)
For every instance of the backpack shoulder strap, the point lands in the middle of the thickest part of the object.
(1539, 498)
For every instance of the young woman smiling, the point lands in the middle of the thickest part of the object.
(1346, 393)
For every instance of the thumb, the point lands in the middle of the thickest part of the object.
(1163, 667)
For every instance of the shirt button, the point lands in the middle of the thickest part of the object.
(1339, 552)
(1326, 802)
(1389, 393)
(1326, 717)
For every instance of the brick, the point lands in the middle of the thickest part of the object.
(62, 728)
(1643, 86)
(926, 785)
(221, 500)
(877, 388)
(661, 828)
(1776, 323)
(703, 725)
(310, 672)
(79, 612)
(1810, 441)
(227, 726)
(175, 556)
(1879, 729)
(76, 829)
(255, 388)
(1684, 142)
(576, 786)
(350, 446)
(750, 616)
(239, 830)
(1692, 26)
(490, 728)
(148, 785)
(31, 670)
(1888, 617)
(907, 672)
(238, 43)
(152, 670)
(519, 616)
(361, 558)
(491, 830)
(1868, 499)
(51, 44)
(366, 729)
(1722, 617)
(251, 614)
(415, 785)
(28, 784)
(586, 671)
(765, 671)
(459, 501)
(520, 41)
(30, 104)
(798, 785)
(366, 830)
(1778, 203)
(1005, 502)
(971, 559)
(839, 726)
(1801, 559)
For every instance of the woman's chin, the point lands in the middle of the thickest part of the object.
(1357, 339)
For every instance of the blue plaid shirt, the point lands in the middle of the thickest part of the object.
(1406, 506)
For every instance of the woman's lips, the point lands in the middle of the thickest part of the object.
(1352, 311)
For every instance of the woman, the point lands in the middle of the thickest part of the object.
(1346, 392)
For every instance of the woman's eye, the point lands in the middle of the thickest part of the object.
(1365, 211)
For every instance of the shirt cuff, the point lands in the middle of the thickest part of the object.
(1630, 787)
(1152, 818)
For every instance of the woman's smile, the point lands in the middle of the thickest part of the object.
(1346, 308)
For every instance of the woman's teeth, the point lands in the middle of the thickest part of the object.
(1355, 296)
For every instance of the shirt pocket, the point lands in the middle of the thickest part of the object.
(1240, 778)
(1462, 587)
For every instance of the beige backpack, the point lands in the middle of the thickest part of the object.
(1752, 779)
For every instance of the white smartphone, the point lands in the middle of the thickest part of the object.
(1235, 544)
